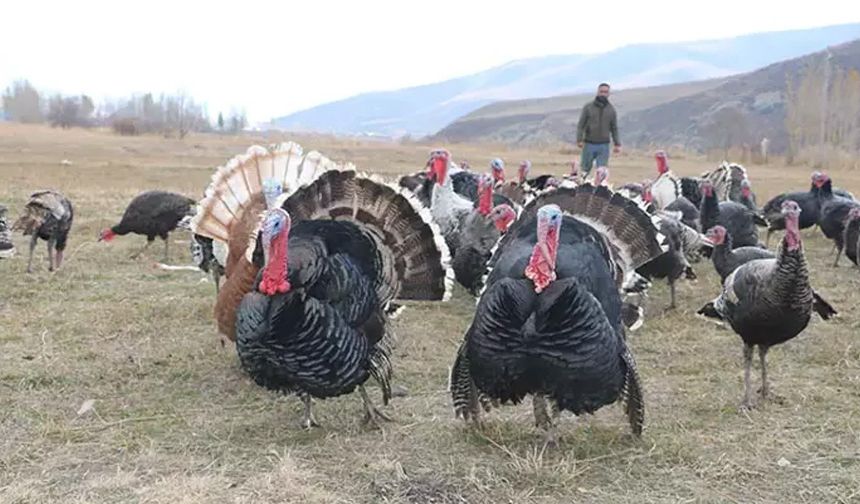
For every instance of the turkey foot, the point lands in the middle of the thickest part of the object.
(308, 420)
(372, 416)
(543, 420)
(141, 251)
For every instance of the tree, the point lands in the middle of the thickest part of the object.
(22, 103)
(726, 128)
(220, 122)
(238, 122)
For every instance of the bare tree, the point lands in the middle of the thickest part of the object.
(726, 128)
(22, 103)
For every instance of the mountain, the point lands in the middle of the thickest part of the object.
(750, 104)
(425, 109)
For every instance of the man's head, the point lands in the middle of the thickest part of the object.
(603, 90)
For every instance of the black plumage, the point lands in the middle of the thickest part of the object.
(768, 301)
(851, 236)
(48, 215)
(736, 218)
(153, 214)
(689, 212)
(690, 189)
(315, 322)
(203, 255)
(563, 340)
(672, 264)
(833, 215)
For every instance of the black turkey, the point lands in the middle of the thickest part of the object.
(768, 301)
(747, 199)
(833, 214)
(736, 218)
(479, 234)
(152, 214)
(47, 215)
(334, 257)
(691, 189)
(549, 322)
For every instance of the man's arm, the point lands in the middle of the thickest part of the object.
(613, 129)
(580, 127)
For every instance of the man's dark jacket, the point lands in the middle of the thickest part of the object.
(596, 122)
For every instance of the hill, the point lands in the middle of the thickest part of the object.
(425, 109)
(673, 114)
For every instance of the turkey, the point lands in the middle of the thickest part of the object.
(203, 254)
(229, 214)
(692, 190)
(747, 199)
(7, 248)
(332, 259)
(549, 321)
(571, 179)
(809, 202)
(768, 301)
(851, 236)
(47, 215)
(538, 183)
(419, 184)
(448, 208)
(834, 212)
(515, 192)
(481, 230)
(666, 188)
(152, 214)
(736, 174)
(736, 218)
(689, 212)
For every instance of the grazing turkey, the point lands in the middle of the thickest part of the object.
(152, 214)
(736, 218)
(833, 214)
(851, 236)
(768, 301)
(666, 188)
(480, 232)
(331, 260)
(7, 248)
(549, 322)
(47, 215)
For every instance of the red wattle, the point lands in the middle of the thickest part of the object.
(486, 201)
(274, 279)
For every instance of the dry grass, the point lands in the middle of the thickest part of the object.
(174, 419)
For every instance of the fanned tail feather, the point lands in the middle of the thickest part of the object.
(634, 400)
(415, 259)
(468, 401)
(824, 309)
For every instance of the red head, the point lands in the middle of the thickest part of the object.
(541, 267)
(717, 235)
(707, 189)
(601, 176)
(525, 167)
(497, 168)
(276, 231)
(485, 195)
(647, 197)
(662, 161)
(503, 215)
(107, 235)
(819, 179)
(746, 188)
(791, 212)
(439, 165)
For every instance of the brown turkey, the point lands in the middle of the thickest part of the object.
(47, 215)
(152, 214)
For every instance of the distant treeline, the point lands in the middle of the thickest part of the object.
(169, 115)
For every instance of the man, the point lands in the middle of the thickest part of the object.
(596, 123)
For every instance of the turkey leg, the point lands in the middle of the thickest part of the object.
(32, 248)
(748, 353)
(371, 414)
(543, 420)
(308, 420)
(50, 255)
(838, 255)
(166, 250)
(141, 251)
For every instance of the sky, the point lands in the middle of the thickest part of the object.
(272, 58)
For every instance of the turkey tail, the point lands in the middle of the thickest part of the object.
(414, 258)
(380, 362)
(822, 307)
(40, 205)
(634, 400)
(467, 399)
(236, 187)
(694, 244)
(632, 234)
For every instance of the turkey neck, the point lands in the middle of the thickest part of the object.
(723, 252)
(275, 271)
(485, 201)
(710, 212)
(792, 275)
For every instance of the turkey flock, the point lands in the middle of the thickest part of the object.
(312, 259)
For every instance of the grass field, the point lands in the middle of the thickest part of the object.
(173, 418)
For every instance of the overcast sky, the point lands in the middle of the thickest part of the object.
(272, 58)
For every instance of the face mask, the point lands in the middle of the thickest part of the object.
(602, 99)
